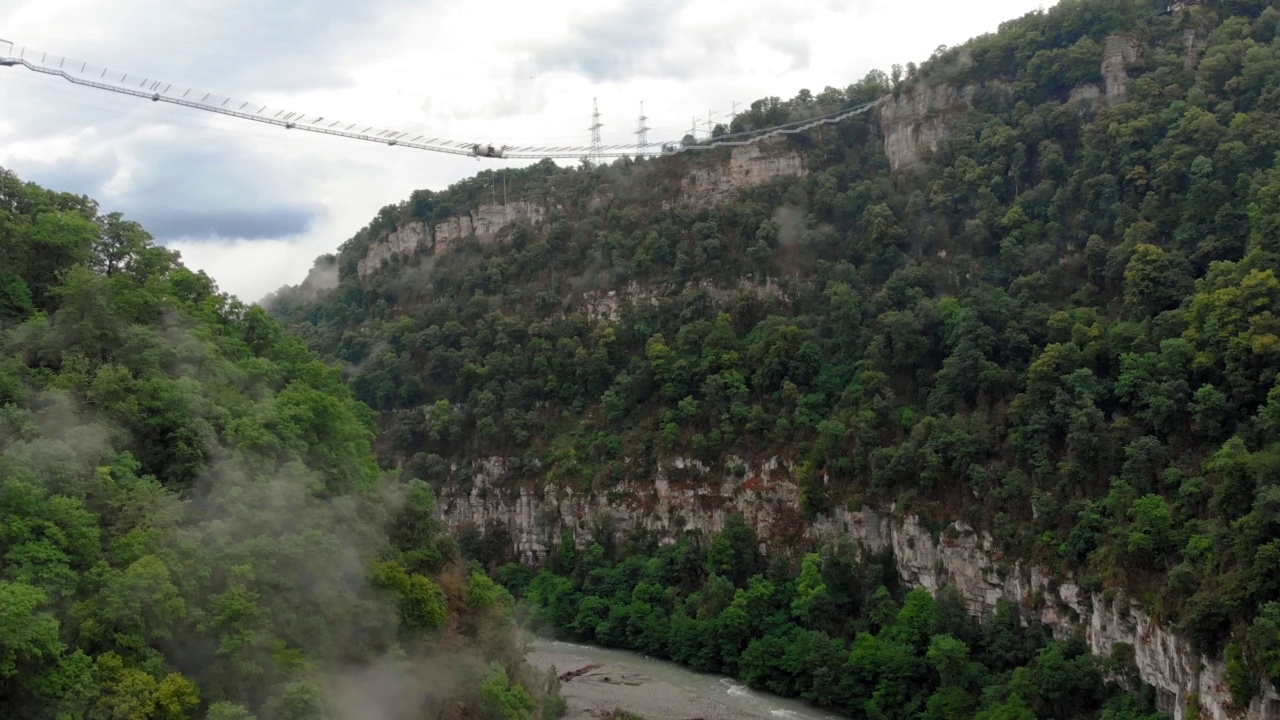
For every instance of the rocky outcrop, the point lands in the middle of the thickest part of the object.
(747, 166)
(966, 560)
(606, 305)
(487, 222)
(452, 230)
(914, 122)
(1193, 45)
(682, 494)
(404, 241)
(1086, 93)
(1118, 54)
(491, 219)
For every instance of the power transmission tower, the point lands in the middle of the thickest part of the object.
(596, 143)
(642, 133)
(711, 126)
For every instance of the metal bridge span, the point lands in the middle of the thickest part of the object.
(86, 75)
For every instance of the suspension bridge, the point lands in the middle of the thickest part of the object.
(85, 75)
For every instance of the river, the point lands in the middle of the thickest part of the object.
(657, 689)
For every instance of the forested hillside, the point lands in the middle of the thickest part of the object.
(1061, 326)
(840, 632)
(192, 521)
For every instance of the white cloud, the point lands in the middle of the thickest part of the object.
(249, 268)
(253, 205)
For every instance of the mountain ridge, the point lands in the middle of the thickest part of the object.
(1057, 325)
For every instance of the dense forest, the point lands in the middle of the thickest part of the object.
(840, 633)
(192, 520)
(1061, 326)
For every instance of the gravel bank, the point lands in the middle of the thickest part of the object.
(611, 687)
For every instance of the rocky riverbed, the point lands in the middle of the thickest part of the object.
(653, 689)
(598, 692)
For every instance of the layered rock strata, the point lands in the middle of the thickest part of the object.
(686, 495)
(748, 165)
(486, 223)
(916, 120)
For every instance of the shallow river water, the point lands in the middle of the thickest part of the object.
(739, 700)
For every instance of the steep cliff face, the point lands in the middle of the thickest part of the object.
(685, 494)
(748, 165)
(404, 241)
(915, 121)
(708, 184)
(1118, 55)
(491, 219)
(1193, 47)
(967, 561)
(486, 223)
(453, 230)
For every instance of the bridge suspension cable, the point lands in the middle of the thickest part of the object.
(86, 75)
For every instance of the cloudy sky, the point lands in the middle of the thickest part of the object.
(253, 205)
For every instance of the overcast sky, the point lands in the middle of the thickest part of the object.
(253, 205)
